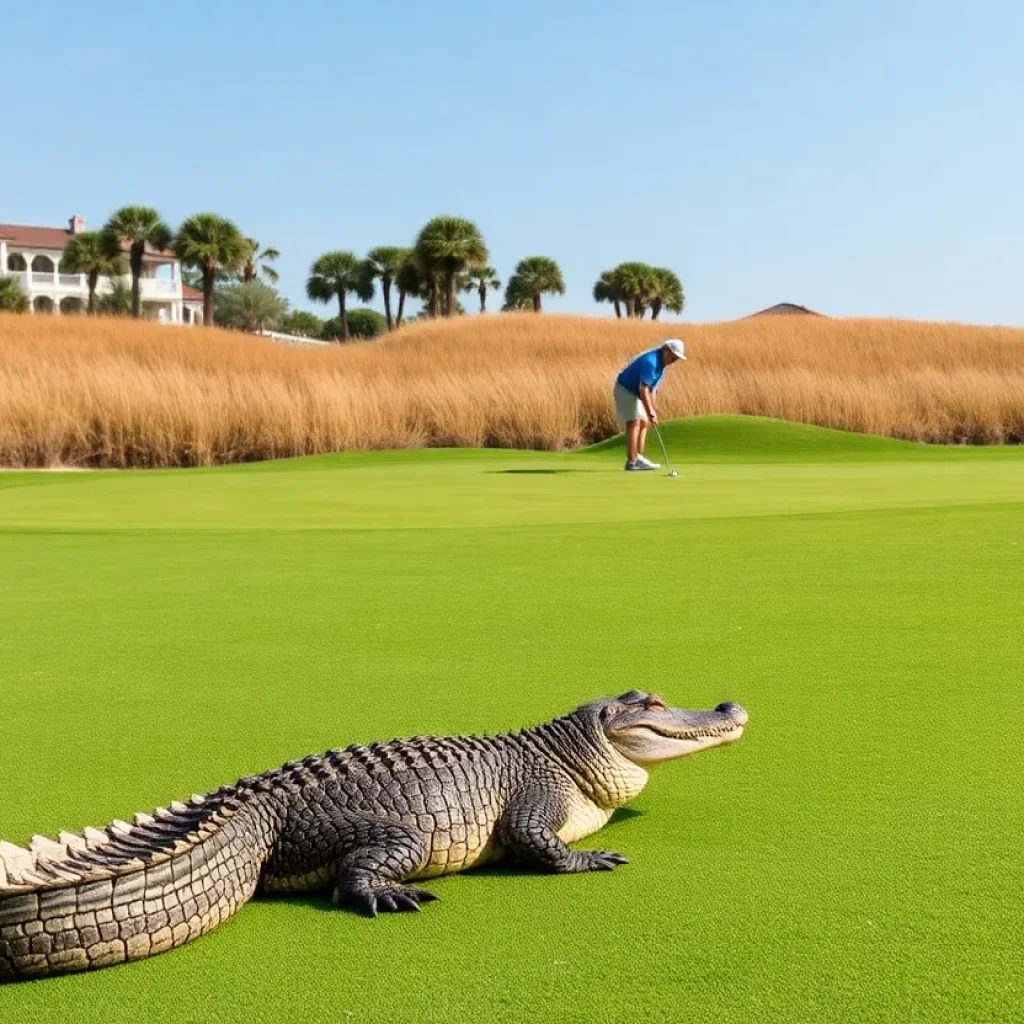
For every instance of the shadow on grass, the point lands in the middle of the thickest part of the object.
(531, 472)
(321, 899)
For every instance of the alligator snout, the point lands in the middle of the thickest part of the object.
(733, 711)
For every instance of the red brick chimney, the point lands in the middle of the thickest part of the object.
(77, 224)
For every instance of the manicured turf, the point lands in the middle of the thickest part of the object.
(856, 858)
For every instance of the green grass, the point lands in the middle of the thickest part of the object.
(856, 858)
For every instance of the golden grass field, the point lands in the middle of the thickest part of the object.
(104, 392)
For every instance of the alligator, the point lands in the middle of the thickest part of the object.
(363, 822)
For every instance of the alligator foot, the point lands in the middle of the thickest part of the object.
(529, 831)
(596, 860)
(380, 856)
(372, 900)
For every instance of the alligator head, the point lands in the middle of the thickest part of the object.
(643, 728)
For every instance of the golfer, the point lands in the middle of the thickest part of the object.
(634, 398)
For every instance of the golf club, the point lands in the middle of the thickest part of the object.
(664, 453)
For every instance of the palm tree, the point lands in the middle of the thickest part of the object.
(433, 292)
(12, 296)
(667, 292)
(118, 301)
(335, 275)
(516, 297)
(408, 281)
(481, 279)
(96, 254)
(138, 227)
(635, 282)
(446, 247)
(214, 246)
(385, 262)
(606, 290)
(536, 275)
(250, 306)
(257, 261)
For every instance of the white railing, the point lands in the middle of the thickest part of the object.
(149, 287)
(294, 338)
(156, 287)
(46, 279)
(19, 275)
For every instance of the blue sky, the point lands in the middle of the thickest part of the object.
(862, 158)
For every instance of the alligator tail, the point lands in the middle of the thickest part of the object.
(128, 891)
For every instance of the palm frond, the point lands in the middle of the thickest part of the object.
(211, 242)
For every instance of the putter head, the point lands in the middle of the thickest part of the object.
(673, 473)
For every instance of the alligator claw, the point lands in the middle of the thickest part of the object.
(400, 899)
(602, 860)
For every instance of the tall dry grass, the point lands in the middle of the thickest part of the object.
(115, 393)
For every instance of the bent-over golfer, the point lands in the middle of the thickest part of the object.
(634, 398)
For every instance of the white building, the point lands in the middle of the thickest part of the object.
(32, 255)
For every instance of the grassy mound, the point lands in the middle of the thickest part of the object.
(849, 860)
(756, 439)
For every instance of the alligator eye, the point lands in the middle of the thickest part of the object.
(656, 705)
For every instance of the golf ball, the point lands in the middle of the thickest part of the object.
(673, 473)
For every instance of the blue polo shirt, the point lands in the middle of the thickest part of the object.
(647, 369)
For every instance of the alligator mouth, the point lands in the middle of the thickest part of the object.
(669, 733)
(701, 732)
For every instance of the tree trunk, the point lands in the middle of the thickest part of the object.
(248, 274)
(91, 280)
(385, 287)
(483, 297)
(630, 306)
(655, 309)
(449, 294)
(209, 276)
(618, 309)
(435, 298)
(401, 307)
(536, 302)
(135, 259)
(343, 315)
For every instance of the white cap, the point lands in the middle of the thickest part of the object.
(676, 347)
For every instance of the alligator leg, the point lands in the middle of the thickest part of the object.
(379, 855)
(529, 827)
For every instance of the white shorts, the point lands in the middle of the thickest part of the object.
(627, 405)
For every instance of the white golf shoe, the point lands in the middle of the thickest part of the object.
(641, 465)
(645, 463)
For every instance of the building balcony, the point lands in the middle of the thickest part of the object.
(152, 288)
(160, 288)
(39, 280)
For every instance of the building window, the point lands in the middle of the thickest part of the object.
(42, 265)
(16, 262)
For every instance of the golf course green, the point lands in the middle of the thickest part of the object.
(856, 857)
